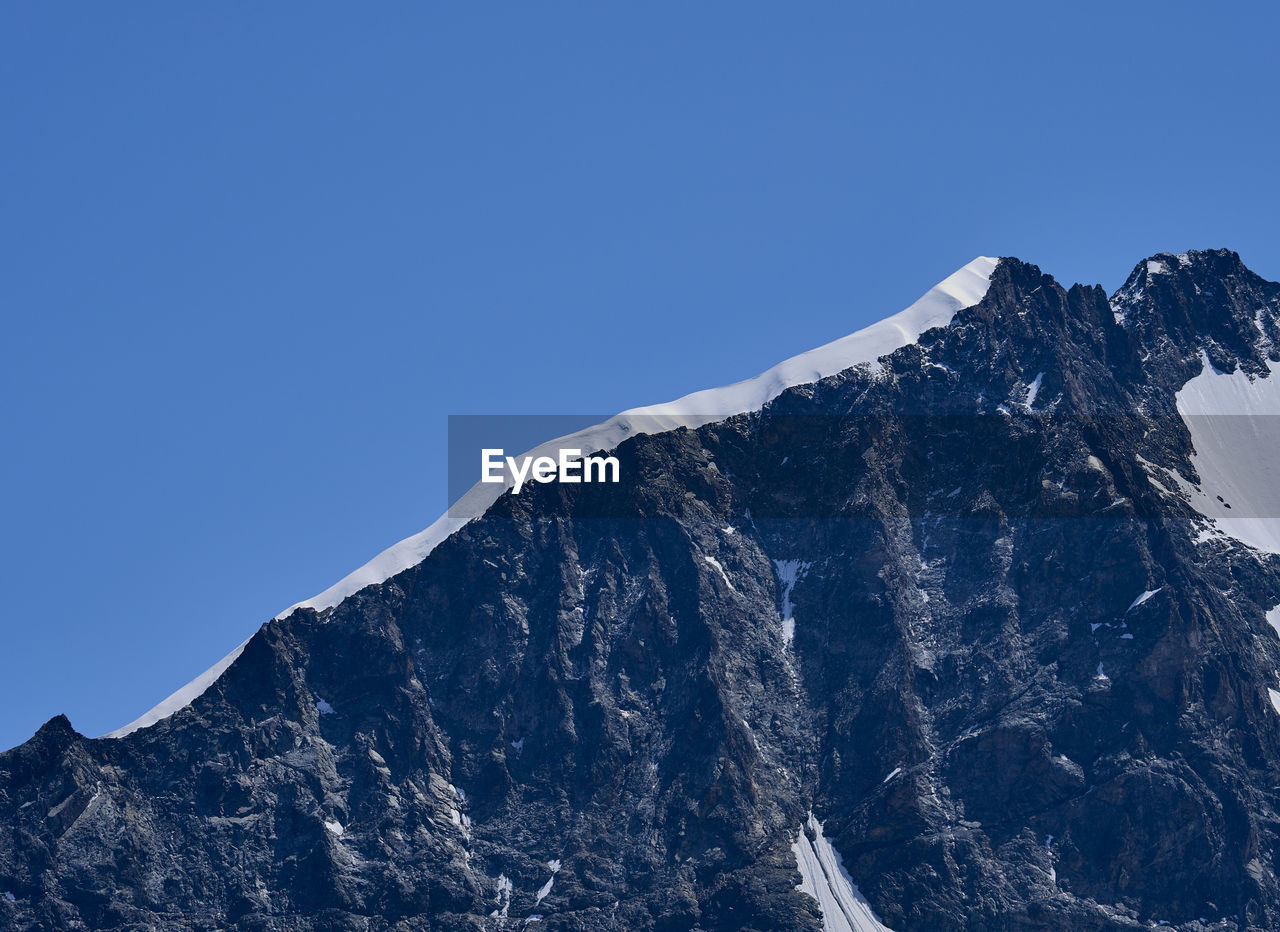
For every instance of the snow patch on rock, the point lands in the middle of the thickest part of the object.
(502, 896)
(1146, 594)
(1034, 389)
(546, 887)
(789, 573)
(1235, 431)
(723, 575)
(844, 908)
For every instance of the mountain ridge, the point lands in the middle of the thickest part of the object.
(1020, 689)
(963, 287)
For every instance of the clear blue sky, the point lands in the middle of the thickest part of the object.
(255, 254)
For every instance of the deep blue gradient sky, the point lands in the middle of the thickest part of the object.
(255, 254)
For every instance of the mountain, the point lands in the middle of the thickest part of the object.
(968, 620)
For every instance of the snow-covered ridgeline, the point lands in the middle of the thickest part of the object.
(1235, 432)
(823, 877)
(182, 698)
(963, 288)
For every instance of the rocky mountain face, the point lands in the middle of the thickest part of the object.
(950, 617)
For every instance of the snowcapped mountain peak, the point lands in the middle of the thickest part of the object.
(962, 288)
(1027, 563)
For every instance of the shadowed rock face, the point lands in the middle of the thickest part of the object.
(584, 705)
